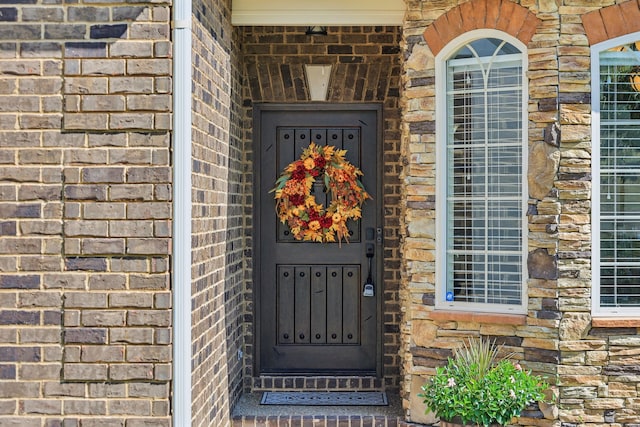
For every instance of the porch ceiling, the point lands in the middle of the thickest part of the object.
(317, 12)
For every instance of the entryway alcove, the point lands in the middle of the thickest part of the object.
(361, 115)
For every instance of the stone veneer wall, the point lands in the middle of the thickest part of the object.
(85, 208)
(594, 361)
(366, 69)
(430, 335)
(218, 233)
(600, 365)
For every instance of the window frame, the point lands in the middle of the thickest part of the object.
(596, 309)
(441, 73)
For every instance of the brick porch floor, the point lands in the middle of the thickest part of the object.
(249, 413)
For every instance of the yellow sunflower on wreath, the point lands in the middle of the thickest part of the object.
(297, 207)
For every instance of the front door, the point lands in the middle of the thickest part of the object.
(314, 316)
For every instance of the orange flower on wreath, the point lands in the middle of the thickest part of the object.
(298, 208)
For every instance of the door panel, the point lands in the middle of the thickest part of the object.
(313, 317)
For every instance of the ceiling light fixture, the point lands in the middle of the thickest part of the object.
(316, 30)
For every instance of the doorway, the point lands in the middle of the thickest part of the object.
(314, 316)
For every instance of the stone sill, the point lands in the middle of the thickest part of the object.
(615, 322)
(467, 316)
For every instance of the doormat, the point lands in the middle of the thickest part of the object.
(325, 398)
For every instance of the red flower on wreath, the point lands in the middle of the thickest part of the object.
(297, 207)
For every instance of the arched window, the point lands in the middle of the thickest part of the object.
(481, 184)
(616, 176)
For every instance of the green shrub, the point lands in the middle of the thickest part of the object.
(481, 389)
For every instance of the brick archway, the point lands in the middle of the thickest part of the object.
(612, 21)
(502, 15)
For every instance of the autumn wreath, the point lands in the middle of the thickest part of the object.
(296, 206)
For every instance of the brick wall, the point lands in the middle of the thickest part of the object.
(85, 201)
(366, 69)
(218, 234)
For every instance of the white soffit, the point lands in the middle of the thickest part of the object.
(317, 12)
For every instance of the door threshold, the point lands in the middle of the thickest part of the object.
(317, 383)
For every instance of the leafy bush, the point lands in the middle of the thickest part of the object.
(481, 389)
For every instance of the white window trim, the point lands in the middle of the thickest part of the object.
(441, 176)
(596, 309)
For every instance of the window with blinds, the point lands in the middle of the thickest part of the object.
(484, 178)
(617, 268)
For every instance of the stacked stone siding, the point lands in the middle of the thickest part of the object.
(430, 335)
(218, 217)
(591, 362)
(366, 69)
(85, 302)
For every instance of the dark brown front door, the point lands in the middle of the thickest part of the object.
(313, 314)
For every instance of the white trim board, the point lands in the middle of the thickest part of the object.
(324, 12)
(181, 389)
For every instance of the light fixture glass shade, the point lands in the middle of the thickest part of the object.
(316, 30)
(318, 77)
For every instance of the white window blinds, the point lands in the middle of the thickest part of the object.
(618, 275)
(484, 150)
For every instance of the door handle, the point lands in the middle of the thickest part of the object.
(368, 290)
(370, 250)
